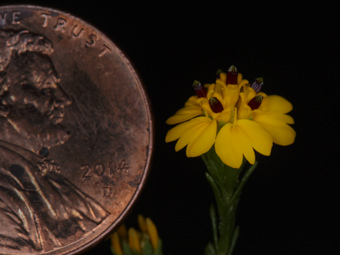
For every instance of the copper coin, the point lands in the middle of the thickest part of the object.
(75, 133)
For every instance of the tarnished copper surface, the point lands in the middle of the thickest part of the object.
(75, 133)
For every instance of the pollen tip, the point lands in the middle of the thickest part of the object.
(232, 69)
(257, 84)
(199, 89)
(196, 83)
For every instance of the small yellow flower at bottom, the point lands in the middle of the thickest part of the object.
(146, 242)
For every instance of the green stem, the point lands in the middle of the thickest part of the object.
(227, 184)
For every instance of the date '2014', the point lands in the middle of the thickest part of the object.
(101, 170)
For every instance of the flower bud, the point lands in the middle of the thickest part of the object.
(255, 102)
(232, 75)
(215, 105)
(257, 84)
(199, 89)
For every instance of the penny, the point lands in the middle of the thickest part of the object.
(75, 133)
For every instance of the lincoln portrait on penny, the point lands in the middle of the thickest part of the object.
(40, 210)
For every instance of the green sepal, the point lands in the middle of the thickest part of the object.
(225, 177)
(159, 249)
(127, 250)
(233, 240)
(147, 247)
(227, 223)
(220, 201)
(243, 181)
(210, 250)
(113, 251)
(214, 222)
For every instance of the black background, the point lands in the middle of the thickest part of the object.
(290, 204)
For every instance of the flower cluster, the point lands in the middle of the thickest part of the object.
(233, 115)
(134, 242)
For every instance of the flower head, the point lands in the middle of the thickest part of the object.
(235, 117)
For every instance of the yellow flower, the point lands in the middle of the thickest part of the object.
(138, 241)
(233, 115)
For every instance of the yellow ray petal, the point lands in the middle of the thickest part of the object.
(273, 117)
(246, 146)
(177, 131)
(122, 232)
(184, 114)
(190, 110)
(227, 147)
(281, 133)
(152, 230)
(203, 138)
(116, 244)
(258, 137)
(274, 103)
(134, 240)
(192, 131)
(142, 223)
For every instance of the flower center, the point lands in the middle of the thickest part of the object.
(220, 100)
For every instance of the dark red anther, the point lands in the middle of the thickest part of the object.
(255, 102)
(215, 105)
(199, 89)
(232, 75)
(257, 84)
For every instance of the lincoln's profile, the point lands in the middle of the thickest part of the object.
(40, 209)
